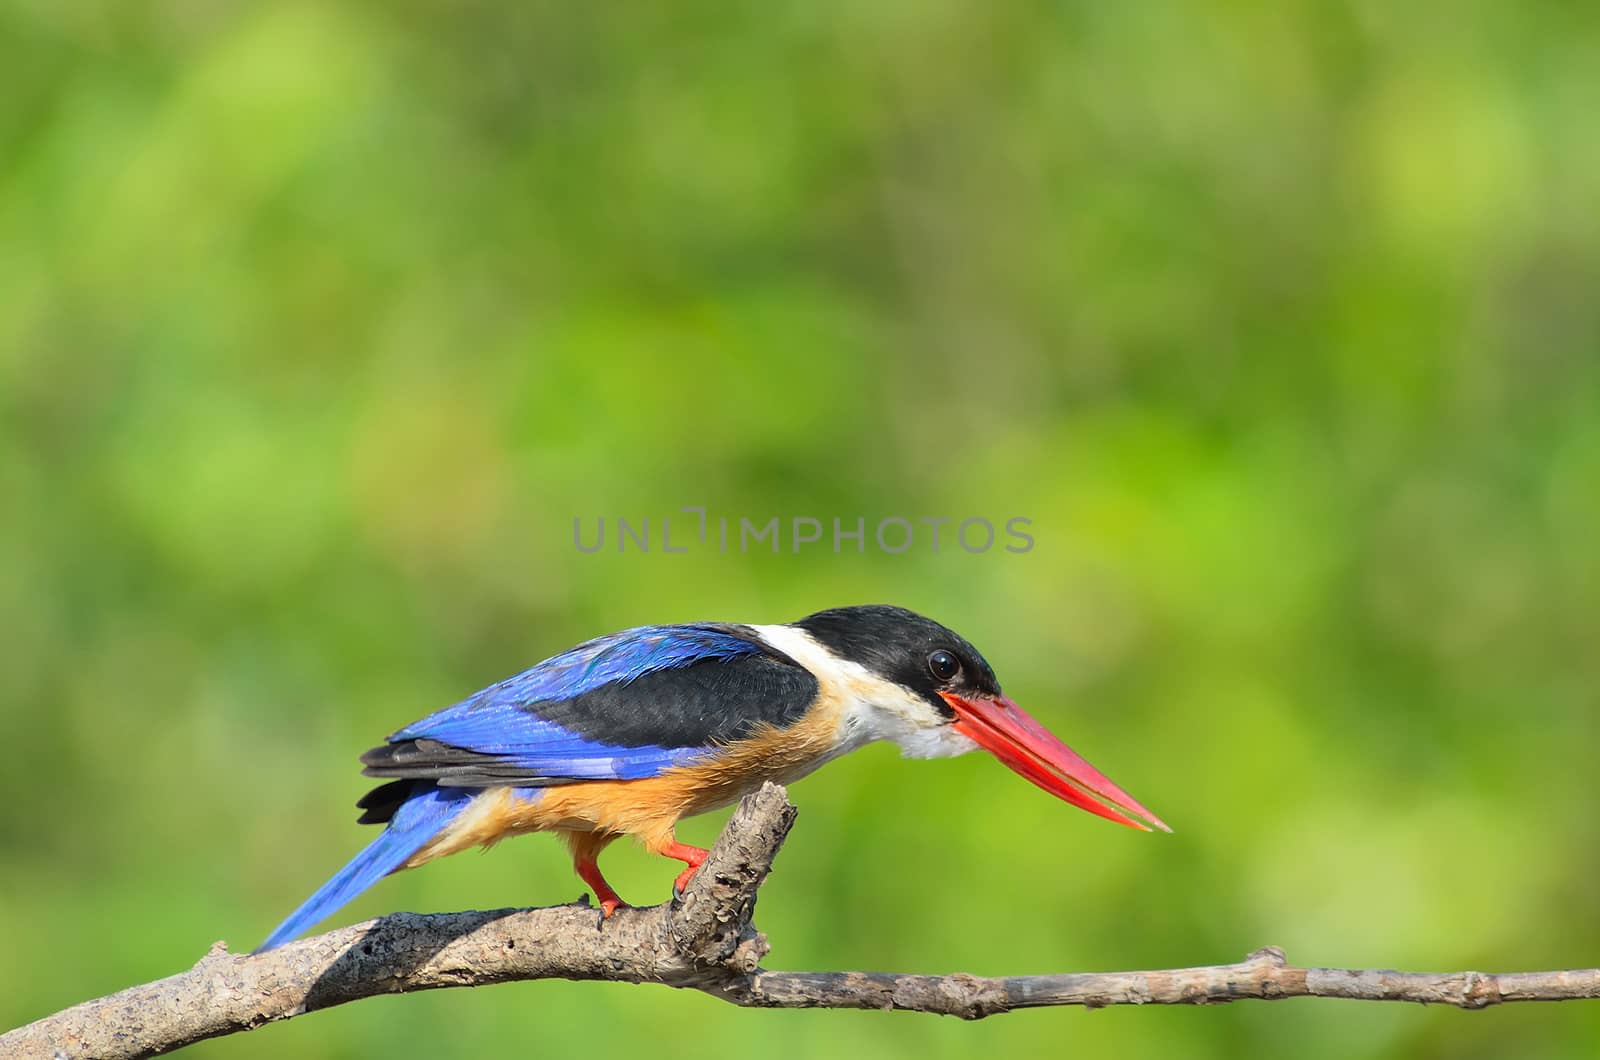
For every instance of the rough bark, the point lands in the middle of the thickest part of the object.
(703, 941)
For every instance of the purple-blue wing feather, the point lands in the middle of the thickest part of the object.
(501, 720)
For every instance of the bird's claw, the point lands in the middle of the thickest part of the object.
(608, 906)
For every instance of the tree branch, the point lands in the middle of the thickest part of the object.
(704, 941)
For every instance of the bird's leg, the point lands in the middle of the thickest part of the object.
(586, 847)
(694, 857)
(589, 872)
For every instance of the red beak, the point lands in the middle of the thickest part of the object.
(1001, 727)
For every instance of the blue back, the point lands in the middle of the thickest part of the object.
(503, 720)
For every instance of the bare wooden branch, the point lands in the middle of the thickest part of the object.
(1265, 975)
(704, 941)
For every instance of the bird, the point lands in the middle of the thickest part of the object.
(628, 733)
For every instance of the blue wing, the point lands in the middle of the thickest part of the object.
(620, 707)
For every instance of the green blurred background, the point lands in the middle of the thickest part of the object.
(319, 323)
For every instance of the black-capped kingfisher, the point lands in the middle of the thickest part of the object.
(628, 733)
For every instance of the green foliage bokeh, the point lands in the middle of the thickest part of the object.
(320, 323)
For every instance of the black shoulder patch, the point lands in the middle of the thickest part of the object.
(712, 702)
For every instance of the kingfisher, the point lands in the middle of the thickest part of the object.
(627, 734)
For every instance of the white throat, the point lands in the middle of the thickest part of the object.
(870, 707)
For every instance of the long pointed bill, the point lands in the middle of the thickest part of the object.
(1003, 729)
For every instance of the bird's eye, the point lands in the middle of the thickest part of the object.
(943, 665)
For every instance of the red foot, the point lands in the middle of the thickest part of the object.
(589, 872)
(693, 856)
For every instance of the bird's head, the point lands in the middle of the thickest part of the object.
(922, 686)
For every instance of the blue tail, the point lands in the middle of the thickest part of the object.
(419, 819)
